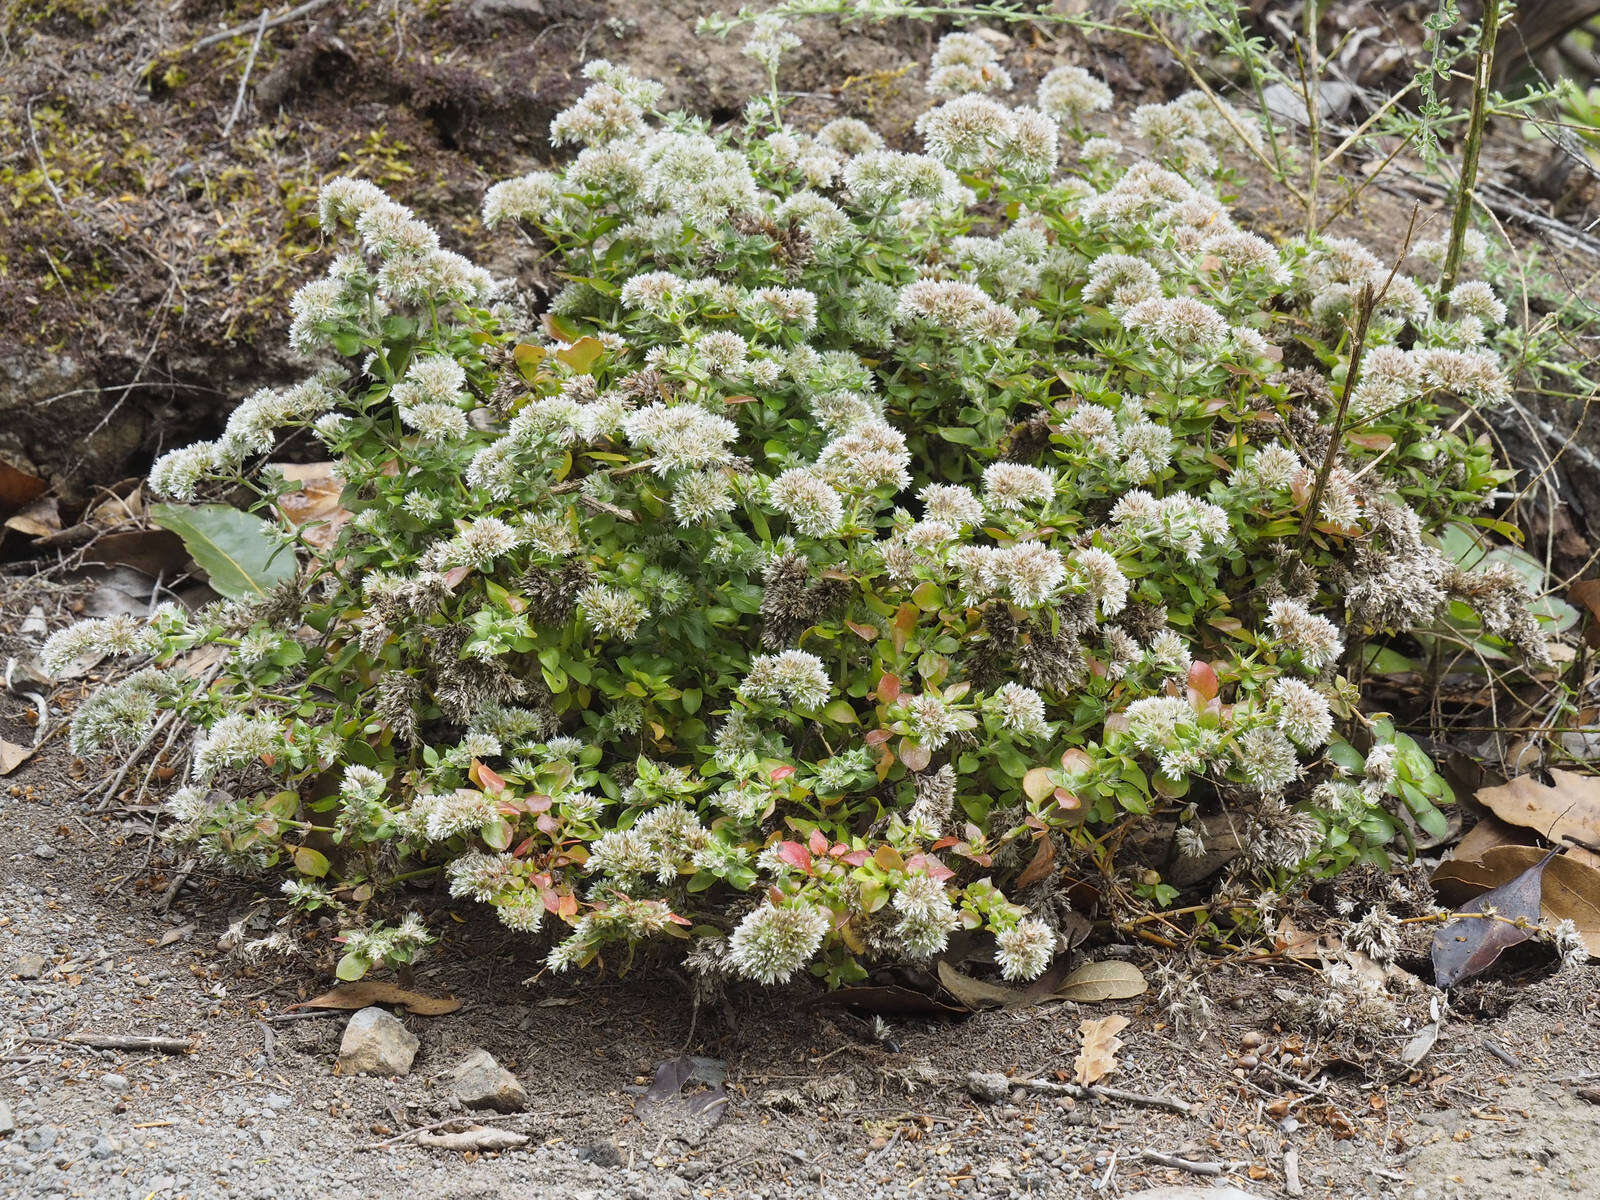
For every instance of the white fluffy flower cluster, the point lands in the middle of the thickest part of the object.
(965, 63)
(977, 133)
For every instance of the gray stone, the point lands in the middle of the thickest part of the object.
(527, 10)
(377, 1043)
(1196, 1192)
(30, 966)
(604, 1153)
(989, 1086)
(481, 1082)
(8, 1123)
(44, 851)
(114, 1083)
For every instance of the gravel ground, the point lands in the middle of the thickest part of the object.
(102, 932)
(818, 1107)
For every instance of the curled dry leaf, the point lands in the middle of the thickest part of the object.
(1568, 807)
(368, 992)
(1098, 1058)
(1044, 859)
(17, 487)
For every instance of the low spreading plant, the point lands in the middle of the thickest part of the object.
(862, 539)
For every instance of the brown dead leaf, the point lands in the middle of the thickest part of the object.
(158, 553)
(1570, 889)
(975, 993)
(1094, 982)
(18, 487)
(1293, 942)
(1098, 1058)
(1471, 943)
(316, 503)
(367, 992)
(1569, 807)
(1044, 859)
(13, 756)
(41, 518)
(1587, 593)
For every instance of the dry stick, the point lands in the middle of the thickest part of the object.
(1077, 1091)
(456, 1120)
(110, 790)
(292, 14)
(177, 883)
(1469, 158)
(117, 1041)
(1184, 1164)
(1291, 1173)
(244, 80)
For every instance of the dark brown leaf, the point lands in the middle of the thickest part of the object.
(1040, 866)
(1569, 889)
(892, 1000)
(1469, 945)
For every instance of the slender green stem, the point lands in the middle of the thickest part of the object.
(1469, 156)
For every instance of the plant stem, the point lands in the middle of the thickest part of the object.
(1366, 302)
(1469, 157)
(1313, 94)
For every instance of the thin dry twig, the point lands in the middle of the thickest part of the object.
(244, 80)
(1050, 1087)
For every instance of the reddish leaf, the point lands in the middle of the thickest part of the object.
(486, 778)
(538, 804)
(877, 737)
(889, 689)
(548, 824)
(817, 843)
(855, 858)
(796, 855)
(778, 773)
(867, 633)
(905, 620)
(1076, 759)
(930, 866)
(944, 843)
(915, 757)
(1203, 680)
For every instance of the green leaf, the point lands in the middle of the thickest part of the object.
(352, 967)
(311, 862)
(497, 833)
(236, 549)
(582, 354)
